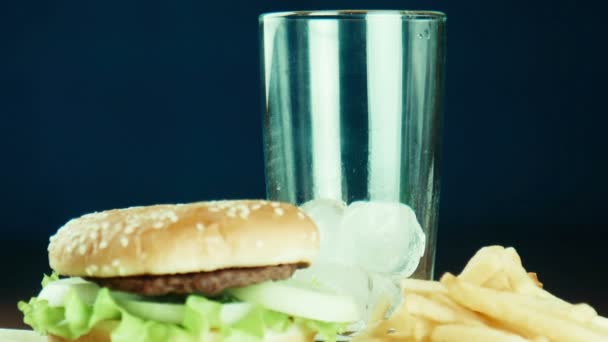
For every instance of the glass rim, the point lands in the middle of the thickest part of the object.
(354, 15)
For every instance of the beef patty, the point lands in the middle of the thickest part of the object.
(208, 283)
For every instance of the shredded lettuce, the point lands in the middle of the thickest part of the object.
(201, 317)
(326, 330)
(46, 279)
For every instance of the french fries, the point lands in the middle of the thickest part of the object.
(493, 299)
(459, 333)
(518, 312)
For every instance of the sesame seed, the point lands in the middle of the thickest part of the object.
(103, 244)
(313, 236)
(130, 229)
(91, 269)
(105, 269)
(102, 215)
(231, 213)
(124, 241)
(93, 235)
(244, 215)
(105, 225)
(301, 216)
(200, 227)
(172, 217)
(158, 225)
(279, 211)
(275, 204)
(115, 262)
(256, 206)
(69, 248)
(214, 209)
(82, 249)
(212, 240)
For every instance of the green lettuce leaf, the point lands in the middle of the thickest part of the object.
(326, 330)
(201, 317)
(49, 278)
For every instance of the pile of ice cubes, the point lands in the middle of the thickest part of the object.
(366, 247)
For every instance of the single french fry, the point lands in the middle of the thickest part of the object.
(584, 311)
(600, 321)
(422, 286)
(516, 314)
(581, 313)
(514, 269)
(540, 339)
(422, 329)
(520, 280)
(498, 281)
(438, 312)
(496, 324)
(525, 284)
(503, 326)
(466, 315)
(422, 307)
(534, 278)
(460, 333)
(483, 265)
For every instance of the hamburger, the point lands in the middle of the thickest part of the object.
(206, 271)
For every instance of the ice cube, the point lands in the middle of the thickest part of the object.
(327, 214)
(385, 290)
(340, 278)
(386, 237)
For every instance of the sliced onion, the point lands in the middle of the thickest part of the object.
(300, 300)
(162, 312)
(56, 291)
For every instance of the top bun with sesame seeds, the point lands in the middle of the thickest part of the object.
(184, 238)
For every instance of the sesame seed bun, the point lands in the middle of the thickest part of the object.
(101, 332)
(183, 238)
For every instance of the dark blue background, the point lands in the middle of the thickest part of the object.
(109, 104)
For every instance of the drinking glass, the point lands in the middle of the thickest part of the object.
(352, 109)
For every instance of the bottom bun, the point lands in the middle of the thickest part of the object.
(93, 336)
(101, 333)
